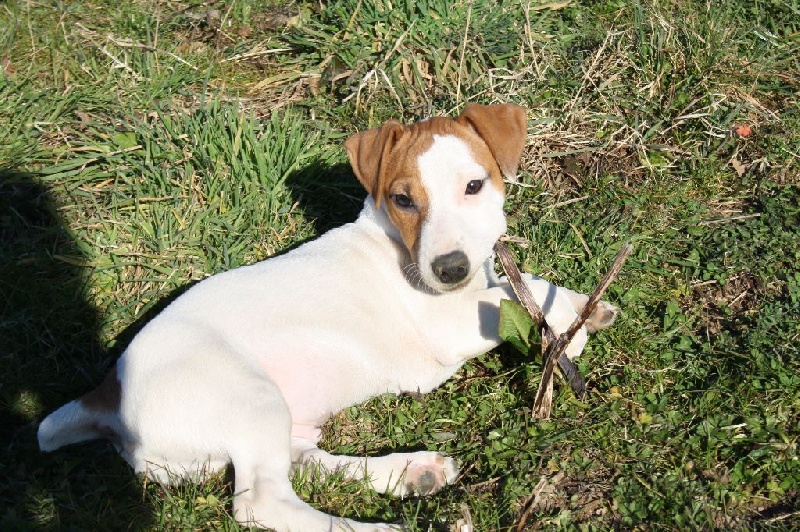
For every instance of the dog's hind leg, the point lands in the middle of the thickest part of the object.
(228, 413)
(265, 497)
(397, 474)
(261, 456)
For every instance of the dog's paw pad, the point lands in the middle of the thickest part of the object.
(425, 483)
(602, 317)
(429, 473)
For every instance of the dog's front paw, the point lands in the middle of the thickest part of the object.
(429, 472)
(602, 317)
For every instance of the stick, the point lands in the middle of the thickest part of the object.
(530, 504)
(556, 349)
(552, 347)
(523, 293)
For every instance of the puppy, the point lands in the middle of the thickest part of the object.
(247, 365)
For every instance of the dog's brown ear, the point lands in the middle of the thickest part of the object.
(369, 151)
(503, 128)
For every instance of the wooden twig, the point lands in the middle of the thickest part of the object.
(568, 368)
(553, 348)
(530, 504)
(556, 349)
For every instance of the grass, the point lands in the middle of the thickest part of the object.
(148, 145)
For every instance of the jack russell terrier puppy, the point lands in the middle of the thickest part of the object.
(246, 366)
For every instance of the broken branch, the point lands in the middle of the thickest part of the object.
(555, 350)
(568, 368)
(553, 347)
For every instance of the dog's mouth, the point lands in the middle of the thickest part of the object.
(453, 287)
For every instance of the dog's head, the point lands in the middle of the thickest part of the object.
(441, 183)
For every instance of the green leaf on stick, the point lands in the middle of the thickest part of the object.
(516, 325)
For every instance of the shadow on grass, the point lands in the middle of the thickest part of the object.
(329, 195)
(49, 354)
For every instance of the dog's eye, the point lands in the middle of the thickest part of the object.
(403, 201)
(473, 187)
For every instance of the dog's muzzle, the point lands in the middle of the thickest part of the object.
(451, 268)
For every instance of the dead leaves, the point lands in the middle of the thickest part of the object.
(7, 66)
(742, 131)
(738, 166)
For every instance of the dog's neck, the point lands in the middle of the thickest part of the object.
(376, 219)
(379, 218)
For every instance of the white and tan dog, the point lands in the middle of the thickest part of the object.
(247, 365)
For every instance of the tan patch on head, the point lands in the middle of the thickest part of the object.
(483, 156)
(407, 221)
(369, 153)
(503, 128)
(403, 177)
(385, 159)
(105, 397)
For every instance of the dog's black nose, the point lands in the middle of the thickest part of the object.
(451, 268)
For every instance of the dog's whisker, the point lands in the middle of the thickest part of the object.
(414, 277)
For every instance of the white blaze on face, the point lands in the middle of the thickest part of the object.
(457, 221)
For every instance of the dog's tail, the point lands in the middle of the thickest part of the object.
(95, 415)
